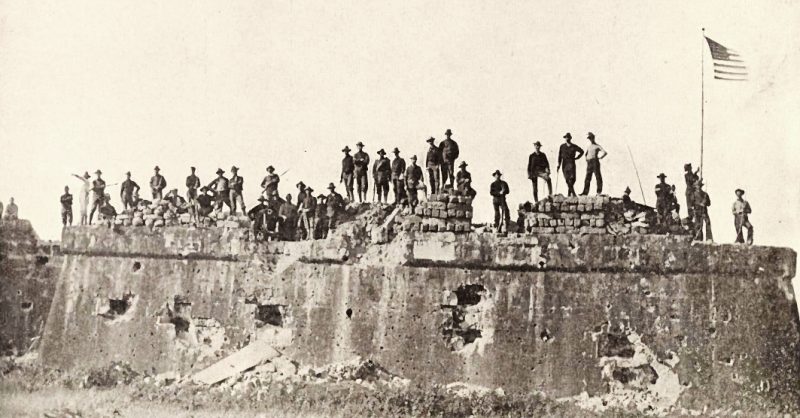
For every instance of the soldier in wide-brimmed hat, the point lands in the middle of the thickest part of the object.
(594, 153)
(662, 190)
(221, 188)
(382, 173)
(464, 181)
(127, 190)
(499, 190)
(157, 184)
(99, 192)
(413, 181)
(539, 167)
(433, 162)
(270, 182)
(398, 170)
(568, 153)
(236, 191)
(449, 151)
(701, 201)
(361, 168)
(346, 177)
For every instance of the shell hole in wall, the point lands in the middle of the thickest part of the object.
(270, 314)
(456, 330)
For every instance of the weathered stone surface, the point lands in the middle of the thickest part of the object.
(27, 281)
(658, 319)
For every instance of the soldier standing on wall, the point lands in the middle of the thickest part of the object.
(236, 186)
(333, 205)
(594, 153)
(567, 155)
(157, 184)
(381, 173)
(347, 174)
(321, 210)
(361, 162)
(433, 162)
(663, 200)
(398, 168)
(192, 185)
(413, 178)
(270, 182)
(85, 196)
(127, 190)
(221, 189)
(701, 202)
(691, 179)
(741, 210)
(66, 207)
(538, 166)
(99, 191)
(287, 219)
(499, 190)
(449, 151)
(306, 209)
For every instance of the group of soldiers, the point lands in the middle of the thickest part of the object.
(313, 216)
(273, 216)
(697, 203)
(406, 179)
(568, 153)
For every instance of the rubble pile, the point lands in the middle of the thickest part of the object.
(586, 215)
(448, 211)
(160, 214)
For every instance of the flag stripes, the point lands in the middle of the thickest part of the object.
(728, 64)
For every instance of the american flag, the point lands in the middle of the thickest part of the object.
(728, 64)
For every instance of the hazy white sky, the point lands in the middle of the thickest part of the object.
(126, 85)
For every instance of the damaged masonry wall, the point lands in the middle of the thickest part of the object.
(27, 280)
(652, 319)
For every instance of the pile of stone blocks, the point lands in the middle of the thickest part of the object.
(163, 214)
(448, 211)
(574, 214)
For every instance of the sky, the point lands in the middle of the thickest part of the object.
(128, 85)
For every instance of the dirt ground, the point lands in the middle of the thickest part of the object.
(62, 402)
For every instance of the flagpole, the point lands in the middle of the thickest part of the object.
(702, 97)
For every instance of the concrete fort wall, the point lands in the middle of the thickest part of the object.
(575, 316)
(27, 281)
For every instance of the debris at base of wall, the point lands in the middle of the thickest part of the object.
(635, 377)
(251, 355)
(105, 377)
(468, 390)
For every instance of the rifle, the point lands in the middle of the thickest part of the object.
(556, 192)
